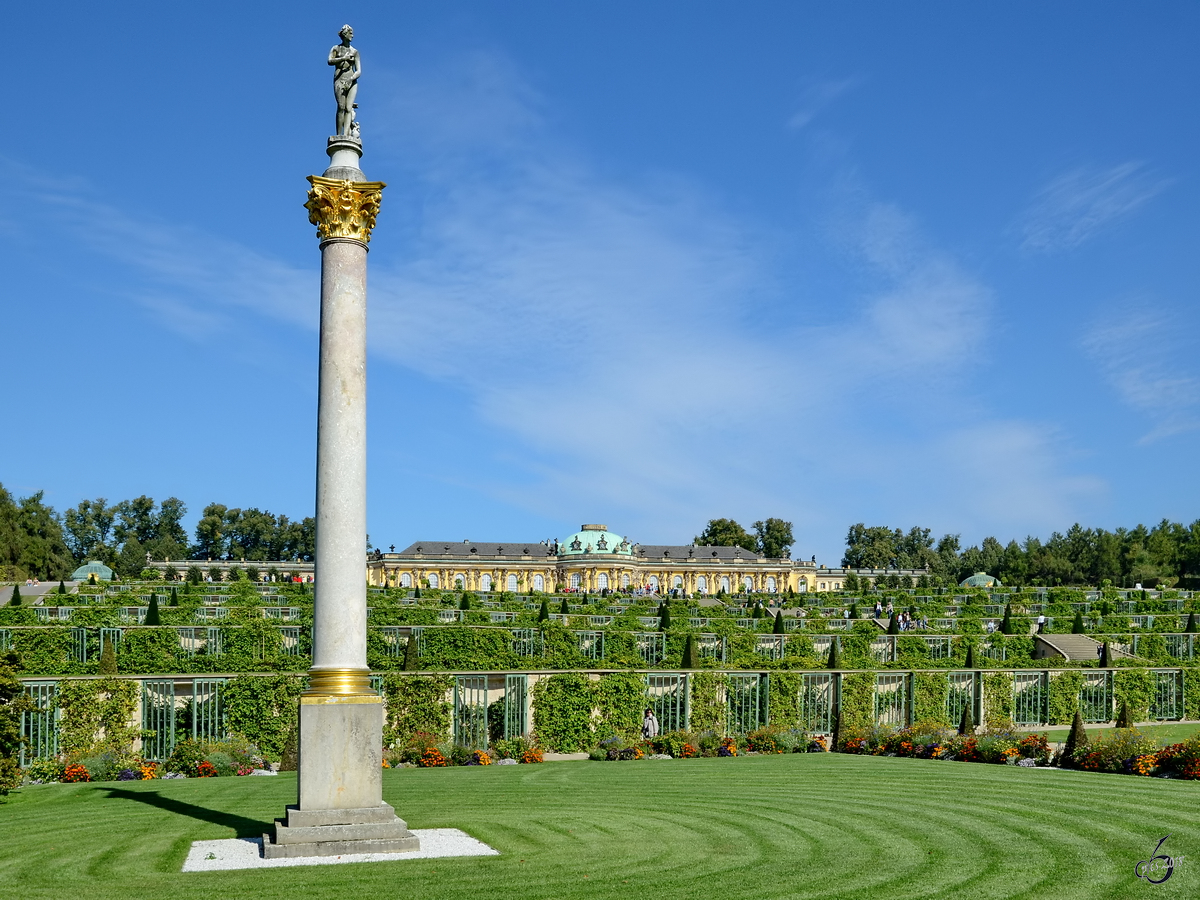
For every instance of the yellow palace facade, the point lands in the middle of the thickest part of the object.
(592, 560)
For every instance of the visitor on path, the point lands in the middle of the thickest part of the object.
(649, 726)
(890, 609)
(878, 610)
(1041, 623)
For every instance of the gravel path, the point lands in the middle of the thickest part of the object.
(246, 853)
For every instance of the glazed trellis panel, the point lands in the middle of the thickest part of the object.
(817, 700)
(667, 696)
(1096, 697)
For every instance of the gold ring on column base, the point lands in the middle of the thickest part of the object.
(338, 682)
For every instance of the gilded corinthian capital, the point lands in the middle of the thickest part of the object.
(343, 209)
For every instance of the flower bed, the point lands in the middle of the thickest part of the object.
(935, 742)
(1126, 751)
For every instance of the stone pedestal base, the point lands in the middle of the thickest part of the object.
(341, 808)
(336, 832)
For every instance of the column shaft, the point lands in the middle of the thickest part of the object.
(340, 614)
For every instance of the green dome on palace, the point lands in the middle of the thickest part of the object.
(594, 539)
(99, 569)
(981, 580)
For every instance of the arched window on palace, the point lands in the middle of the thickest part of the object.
(485, 582)
(575, 581)
(748, 583)
(602, 581)
(459, 582)
(539, 583)
(405, 580)
(653, 582)
(624, 581)
(702, 585)
(512, 583)
(433, 579)
(725, 583)
(770, 584)
(677, 582)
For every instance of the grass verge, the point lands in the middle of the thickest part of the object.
(802, 826)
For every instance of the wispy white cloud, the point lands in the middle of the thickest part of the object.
(1153, 370)
(817, 95)
(1077, 205)
(630, 343)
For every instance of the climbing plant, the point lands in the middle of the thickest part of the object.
(997, 700)
(562, 713)
(929, 697)
(416, 703)
(97, 715)
(263, 709)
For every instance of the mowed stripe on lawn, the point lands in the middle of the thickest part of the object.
(804, 826)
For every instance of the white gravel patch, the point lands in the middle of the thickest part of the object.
(246, 853)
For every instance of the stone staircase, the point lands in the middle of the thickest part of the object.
(1075, 646)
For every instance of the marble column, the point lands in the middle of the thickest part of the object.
(340, 806)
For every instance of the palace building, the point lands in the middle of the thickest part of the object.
(592, 560)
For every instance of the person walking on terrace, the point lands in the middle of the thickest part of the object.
(649, 725)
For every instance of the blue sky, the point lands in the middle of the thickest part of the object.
(641, 264)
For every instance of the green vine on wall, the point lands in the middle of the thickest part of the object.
(783, 707)
(1134, 687)
(562, 713)
(1064, 697)
(263, 709)
(998, 701)
(709, 711)
(416, 703)
(858, 700)
(929, 697)
(96, 715)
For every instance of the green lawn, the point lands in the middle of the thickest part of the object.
(1166, 733)
(811, 825)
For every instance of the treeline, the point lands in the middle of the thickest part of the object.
(36, 541)
(1167, 555)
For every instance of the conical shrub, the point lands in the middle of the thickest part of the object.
(1105, 656)
(664, 617)
(854, 610)
(1077, 625)
(1076, 739)
(969, 662)
(777, 628)
(174, 597)
(465, 602)
(152, 616)
(691, 658)
(16, 596)
(62, 588)
(544, 612)
(966, 724)
(835, 739)
(564, 609)
(893, 625)
(1006, 622)
(1124, 719)
(757, 611)
(835, 656)
(108, 659)
(412, 660)
(416, 593)
(1191, 624)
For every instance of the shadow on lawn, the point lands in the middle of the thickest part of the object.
(240, 824)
